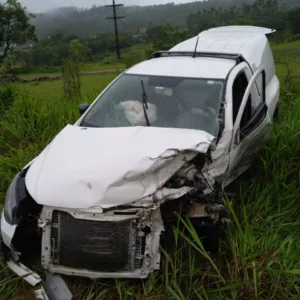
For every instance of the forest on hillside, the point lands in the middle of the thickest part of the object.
(90, 22)
(149, 32)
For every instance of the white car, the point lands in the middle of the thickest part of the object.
(169, 133)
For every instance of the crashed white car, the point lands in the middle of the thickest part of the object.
(168, 135)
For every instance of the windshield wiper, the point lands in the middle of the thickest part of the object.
(145, 103)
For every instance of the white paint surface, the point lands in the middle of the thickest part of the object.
(7, 231)
(189, 67)
(21, 270)
(249, 41)
(107, 167)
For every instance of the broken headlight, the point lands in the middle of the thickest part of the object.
(10, 205)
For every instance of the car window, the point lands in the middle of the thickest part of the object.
(253, 103)
(173, 102)
(238, 90)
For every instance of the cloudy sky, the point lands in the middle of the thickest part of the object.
(44, 5)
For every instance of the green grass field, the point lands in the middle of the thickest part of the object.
(287, 58)
(54, 89)
(259, 255)
(88, 67)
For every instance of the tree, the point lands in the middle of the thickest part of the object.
(135, 55)
(263, 13)
(71, 79)
(71, 68)
(78, 52)
(294, 17)
(15, 27)
(243, 21)
(166, 36)
(9, 62)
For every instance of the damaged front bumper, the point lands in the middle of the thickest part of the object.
(116, 244)
(119, 243)
(6, 235)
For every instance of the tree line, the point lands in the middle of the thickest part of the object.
(52, 49)
(90, 22)
(265, 13)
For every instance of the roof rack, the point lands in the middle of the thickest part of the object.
(236, 57)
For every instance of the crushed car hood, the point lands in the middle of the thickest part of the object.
(107, 167)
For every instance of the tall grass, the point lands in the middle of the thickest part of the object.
(7, 98)
(28, 126)
(258, 253)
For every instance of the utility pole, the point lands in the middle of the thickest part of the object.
(115, 18)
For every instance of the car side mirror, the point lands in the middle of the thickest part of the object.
(83, 108)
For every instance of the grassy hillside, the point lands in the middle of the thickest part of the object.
(56, 71)
(287, 58)
(54, 89)
(259, 253)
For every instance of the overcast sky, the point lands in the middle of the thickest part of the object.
(44, 5)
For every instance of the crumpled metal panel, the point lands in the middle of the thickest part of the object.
(108, 167)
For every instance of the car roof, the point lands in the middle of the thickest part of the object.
(249, 41)
(199, 67)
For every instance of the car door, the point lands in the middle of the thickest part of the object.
(252, 125)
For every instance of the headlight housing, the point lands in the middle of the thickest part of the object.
(10, 205)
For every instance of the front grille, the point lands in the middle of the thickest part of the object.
(96, 245)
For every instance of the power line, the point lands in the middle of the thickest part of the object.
(115, 18)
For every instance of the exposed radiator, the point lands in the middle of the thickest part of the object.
(96, 245)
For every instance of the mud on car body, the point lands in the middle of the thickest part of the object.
(170, 132)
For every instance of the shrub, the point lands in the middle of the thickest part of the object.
(7, 98)
(71, 71)
(135, 55)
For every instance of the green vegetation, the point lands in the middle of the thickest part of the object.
(60, 36)
(15, 26)
(259, 256)
(287, 57)
(91, 22)
(56, 71)
(7, 98)
(264, 13)
(54, 89)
